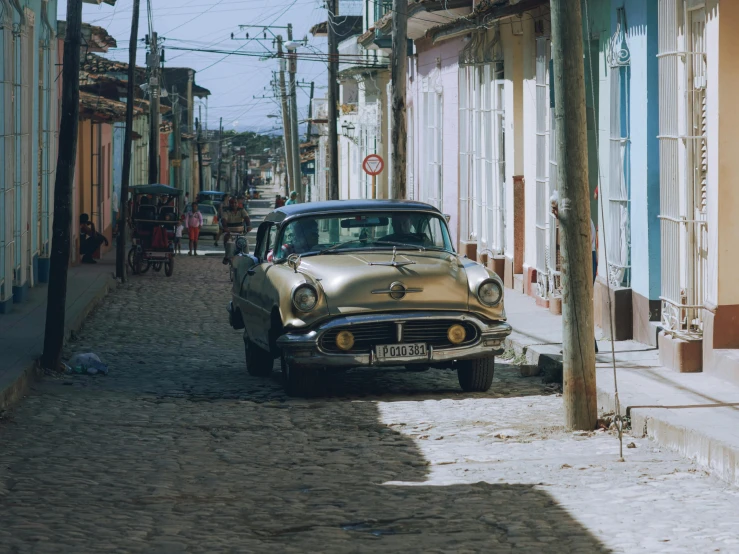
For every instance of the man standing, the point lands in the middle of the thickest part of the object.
(234, 220)
(193, 222)
(114, 204)
(554, 201)
(293, 199)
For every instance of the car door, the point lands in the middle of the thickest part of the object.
(258, 298)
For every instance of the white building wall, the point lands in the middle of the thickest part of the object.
(529, 141)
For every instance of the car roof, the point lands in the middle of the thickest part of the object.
(344, 206)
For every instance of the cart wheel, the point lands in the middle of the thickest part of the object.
(136, 265)
(169, 267)
(131, 254)
(157, 266)
(145, 264)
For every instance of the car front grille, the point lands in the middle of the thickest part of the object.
(368, 335)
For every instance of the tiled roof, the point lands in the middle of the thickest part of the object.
(103, 110)
(92, 36)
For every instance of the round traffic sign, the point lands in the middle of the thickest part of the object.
(373, 164)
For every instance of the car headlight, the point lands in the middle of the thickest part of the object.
(305, 298)
(490, 292)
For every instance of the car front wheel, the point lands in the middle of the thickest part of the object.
(297, 381)
(476, 375)
(258, 361)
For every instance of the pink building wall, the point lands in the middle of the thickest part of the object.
(438, 64)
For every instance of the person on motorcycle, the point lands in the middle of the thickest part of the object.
(233, 220)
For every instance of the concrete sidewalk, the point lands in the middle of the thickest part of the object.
(22, 330)
(693, 413)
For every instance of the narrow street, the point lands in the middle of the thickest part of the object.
(178, 449)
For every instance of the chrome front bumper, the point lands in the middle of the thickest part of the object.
(304, 350)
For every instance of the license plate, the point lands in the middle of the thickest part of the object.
(412, 351)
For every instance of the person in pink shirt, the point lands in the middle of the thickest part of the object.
(193, 222)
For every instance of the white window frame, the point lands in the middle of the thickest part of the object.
(431, 186)
(683, 167)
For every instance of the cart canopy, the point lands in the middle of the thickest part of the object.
(154, 189)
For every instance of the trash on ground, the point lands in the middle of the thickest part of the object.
(88, 363)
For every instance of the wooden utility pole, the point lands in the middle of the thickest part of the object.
(333, 99)
(581, 409)
(176, 129)
(199, 143)
(310, 113)
(218, 160)
(286, 122)
(153, 63)
(120, 253)
(56, 303)
(294, 126)
(399, 132)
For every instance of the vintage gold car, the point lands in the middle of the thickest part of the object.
(365, 283)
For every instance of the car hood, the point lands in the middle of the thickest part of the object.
(352, 283)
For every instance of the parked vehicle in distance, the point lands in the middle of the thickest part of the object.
(210, 219)
(365, 283)
(211, 196)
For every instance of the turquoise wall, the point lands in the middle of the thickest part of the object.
(641, 36)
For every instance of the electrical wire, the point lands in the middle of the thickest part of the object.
(617, 404)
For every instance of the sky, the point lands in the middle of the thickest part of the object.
(234, 80)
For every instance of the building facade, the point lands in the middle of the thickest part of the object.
(29, 97)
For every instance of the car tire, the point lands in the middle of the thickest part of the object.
(297, 382)
(259, 362)
(476, 375)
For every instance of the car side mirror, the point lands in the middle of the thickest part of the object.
(448, 218)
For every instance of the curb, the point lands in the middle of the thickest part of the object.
(19, 388)
(667, 427)
(539, 359)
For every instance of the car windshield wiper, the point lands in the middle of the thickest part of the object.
(404, 244)
(337, 245)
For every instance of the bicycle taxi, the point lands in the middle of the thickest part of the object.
(154, 216)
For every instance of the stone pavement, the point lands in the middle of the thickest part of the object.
(178, 449)
(22, 330)
(693, 413)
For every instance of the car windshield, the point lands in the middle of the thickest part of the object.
(410, 230)
(205, 209)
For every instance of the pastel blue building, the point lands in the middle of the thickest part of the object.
(629, 176)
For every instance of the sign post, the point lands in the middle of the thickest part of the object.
(373, 166)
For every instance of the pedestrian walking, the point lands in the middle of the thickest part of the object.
(279, 201)
(293, 199)
(193, 222)
(178, 235)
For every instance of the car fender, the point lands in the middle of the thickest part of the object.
(281, 281)
(476, 274)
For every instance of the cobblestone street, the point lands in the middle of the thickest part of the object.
(178, 449)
